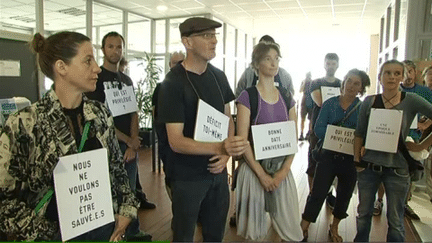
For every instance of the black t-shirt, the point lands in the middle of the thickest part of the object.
(112, 79)
(178, 104)
(317, 84)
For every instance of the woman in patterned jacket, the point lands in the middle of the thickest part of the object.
(33, 140)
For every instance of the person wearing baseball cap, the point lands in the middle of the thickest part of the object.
(196, 169)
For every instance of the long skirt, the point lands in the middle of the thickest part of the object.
(253, 222)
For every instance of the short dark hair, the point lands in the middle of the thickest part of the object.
(60, 46)
(267, 38)
(331, 56)
(365, 80)
(112, 34)
(393, 61)
(260, 50)
(410, 63)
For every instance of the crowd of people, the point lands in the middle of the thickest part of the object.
(197, 136)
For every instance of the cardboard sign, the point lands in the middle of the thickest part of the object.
(339, 139)
(121, 101)
(10, 68)
(328, 92)
(211, 125)
(83, 192)
(274, 139)
(383, 130)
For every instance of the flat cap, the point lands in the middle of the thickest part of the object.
(197, 24)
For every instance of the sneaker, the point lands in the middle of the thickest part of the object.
(301, 138)
(378, 206)
(147, 205)
(140, 237)
(410, 213)
(331, 200)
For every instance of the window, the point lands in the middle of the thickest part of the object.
(139, 31)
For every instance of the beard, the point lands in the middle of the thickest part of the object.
(113, 60)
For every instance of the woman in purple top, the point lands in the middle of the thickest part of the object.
(258, 190)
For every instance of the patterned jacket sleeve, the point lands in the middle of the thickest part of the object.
(119, 180)
(17, 210)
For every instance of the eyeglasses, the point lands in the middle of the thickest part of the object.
(206, 36)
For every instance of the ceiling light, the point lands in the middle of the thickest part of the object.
(162, 8)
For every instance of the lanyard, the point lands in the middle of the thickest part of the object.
(50, 191)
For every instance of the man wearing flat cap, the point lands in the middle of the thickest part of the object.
(196, 168)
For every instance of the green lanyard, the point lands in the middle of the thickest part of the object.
(50, 191)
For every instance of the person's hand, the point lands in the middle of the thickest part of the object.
(121, 223)
(277, 179)
(134, 143)
(235, 145)
(266, 182)
(129, 155)
(218, 163)
(414, 147)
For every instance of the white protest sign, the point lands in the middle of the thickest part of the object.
(211, 125)
(328, 92)
(274, 139)
(10, 68)
(383, 130)
(121, 101)
(83, 192)
(414, 124)
(339, 139)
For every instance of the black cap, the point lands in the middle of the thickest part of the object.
(197, 24)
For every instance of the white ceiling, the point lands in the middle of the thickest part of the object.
(252, 16)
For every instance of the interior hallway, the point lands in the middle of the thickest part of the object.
(157, 222)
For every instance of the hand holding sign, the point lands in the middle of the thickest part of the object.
(235, 145)
(122, 223)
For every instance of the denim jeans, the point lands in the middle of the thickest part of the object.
(396, 183)
(132, 172)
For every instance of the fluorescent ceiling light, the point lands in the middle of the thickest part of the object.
(162, 8)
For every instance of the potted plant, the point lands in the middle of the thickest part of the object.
(144, 94)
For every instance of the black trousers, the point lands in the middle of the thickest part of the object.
(207, 198)
(333, 165)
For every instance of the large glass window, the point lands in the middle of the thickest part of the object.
(106, 19)
(160, 36)
(241, 54)
(229, 55)
(218, 61)
(139, 30)
(175, 38)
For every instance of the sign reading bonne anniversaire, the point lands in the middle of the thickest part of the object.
(274, 139)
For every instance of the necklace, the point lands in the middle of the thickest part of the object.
(389, 100)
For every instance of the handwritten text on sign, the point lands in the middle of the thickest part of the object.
(211, 124)
(274, 139)
(121, 101)
(328, 92)
(383, 130)
(83, 192)
(339, 139)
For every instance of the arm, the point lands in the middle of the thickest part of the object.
(17, 215)
(282, 173)
(243, 126)
(316, 97)
(218, 162)
(286, 80)
(241, 85)
(323, 120)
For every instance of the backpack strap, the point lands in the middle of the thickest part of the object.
(253, 102)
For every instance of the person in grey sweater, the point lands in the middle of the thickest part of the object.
(249, 77)
(391, 169)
